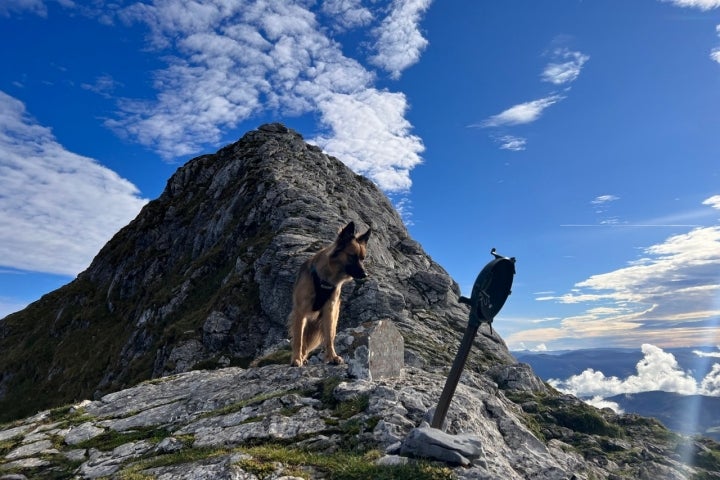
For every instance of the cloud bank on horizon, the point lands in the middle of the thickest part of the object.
(657, 371)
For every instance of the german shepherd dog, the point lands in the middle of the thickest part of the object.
(316, 295)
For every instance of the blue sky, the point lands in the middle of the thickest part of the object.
(580, 137)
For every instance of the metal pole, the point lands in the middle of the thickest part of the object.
(454, 375)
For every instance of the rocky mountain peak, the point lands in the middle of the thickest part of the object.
(203, 278)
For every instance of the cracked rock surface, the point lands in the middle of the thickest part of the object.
(210, 424)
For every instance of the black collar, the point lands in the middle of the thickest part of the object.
(323, 289)
(319, 282)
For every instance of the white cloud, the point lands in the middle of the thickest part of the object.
(700, 353)
(399, 41)
(564, 68)
(710, 385)
(371, 135)
(522, 113)
(567, 67)
(701, 4)
(599, 402)
(603, 199)
(57, 208)
(511, 142)
(233, 60)
(715, 53)
(713, 201)
(347, 13)
(667, 296)
(658, 370)
(677, 281)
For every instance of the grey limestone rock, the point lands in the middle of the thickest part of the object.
(427, 442)
(210, 419)
(82, 432)
(375, 350)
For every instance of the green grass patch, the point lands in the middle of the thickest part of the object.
(237, 406)
(6, 446)
(177, 458)
(351, 407)
(585, 420)
(278, 357)
(343, 465)
(68, 415)
(345, 409)
(111, 439)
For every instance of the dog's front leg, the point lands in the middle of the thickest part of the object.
(329, 325)
(297, 325)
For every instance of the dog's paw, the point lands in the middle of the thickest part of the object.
(335, 359)
(297, 362)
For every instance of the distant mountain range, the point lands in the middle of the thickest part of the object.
(686, 414)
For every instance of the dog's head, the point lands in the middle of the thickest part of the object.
(350, 251)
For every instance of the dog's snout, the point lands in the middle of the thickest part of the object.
(356, 271)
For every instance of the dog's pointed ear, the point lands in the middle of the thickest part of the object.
(346, 234)
(364, 237)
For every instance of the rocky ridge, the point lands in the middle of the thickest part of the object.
(278, 422)
(190, 300)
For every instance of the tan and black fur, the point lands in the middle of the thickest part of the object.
(316, 295)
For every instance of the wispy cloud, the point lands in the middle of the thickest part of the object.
(511, 142)
(522, 113)
(602, 204)
(37, 7)
(565, 68)
(674, 284)
(16, 6)
(57, 208)
(603, 199)
(399, 41)
(103, 85)
(715, 53)
(230, 61)
(701, 354)
(701, 4)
